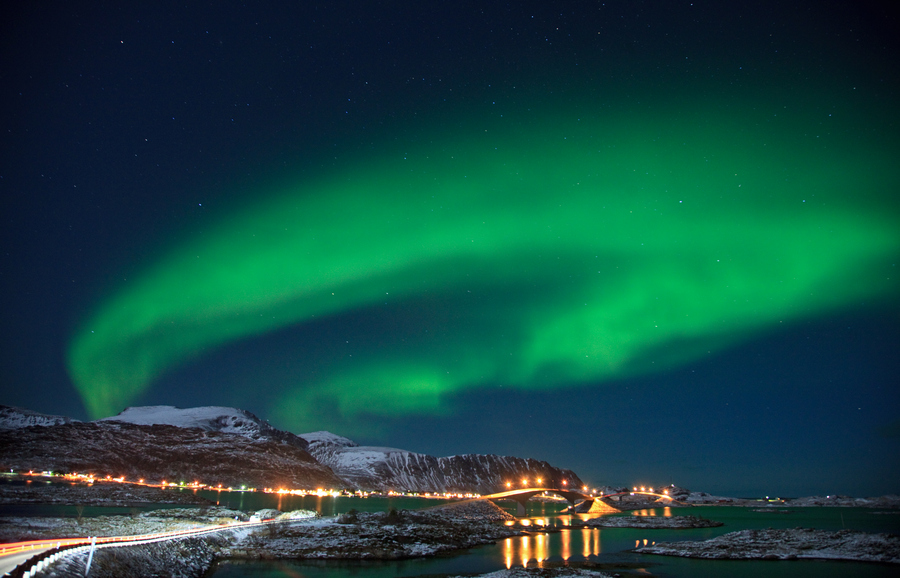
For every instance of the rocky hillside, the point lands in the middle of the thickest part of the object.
(232, 447)
(209, 418)
(378, 468)
(162, 452)
(16, 417)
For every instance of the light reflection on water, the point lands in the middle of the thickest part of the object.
(533, 550)
(609, 546)
(526, 551)
(666, 512)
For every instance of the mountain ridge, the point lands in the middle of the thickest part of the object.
(248, 451)
(382, 468)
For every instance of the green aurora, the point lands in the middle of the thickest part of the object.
(569, 251)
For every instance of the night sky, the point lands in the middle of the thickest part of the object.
(654, 242)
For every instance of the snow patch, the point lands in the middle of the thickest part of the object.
(16, 417)
(212, 418)
(227, 420)
(325, 437)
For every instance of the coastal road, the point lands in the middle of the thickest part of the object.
(13, 554)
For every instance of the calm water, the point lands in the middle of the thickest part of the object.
(603, 546)
(247, 501)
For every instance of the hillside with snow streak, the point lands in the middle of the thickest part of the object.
(380, 468)
(234, 447)
(228, 420)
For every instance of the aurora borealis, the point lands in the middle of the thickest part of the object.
(602, 249)
(576, 232)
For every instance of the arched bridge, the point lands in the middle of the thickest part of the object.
(521, 496)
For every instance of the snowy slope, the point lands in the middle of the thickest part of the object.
(16, 417)
(163, 452)
(380, 468)
(224, 443)
(210, 418)
(326, 437)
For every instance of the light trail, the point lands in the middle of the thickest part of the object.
(10, 553)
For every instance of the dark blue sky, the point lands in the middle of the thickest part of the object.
(127, 129)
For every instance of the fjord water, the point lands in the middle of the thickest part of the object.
(608, 547)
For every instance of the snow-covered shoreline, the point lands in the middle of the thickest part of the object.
(18, 528)
(398, 535)
(297, 535)
(381, 536)
(790, 544)
(652, 522)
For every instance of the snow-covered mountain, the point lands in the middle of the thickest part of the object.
(380, 468)
(162, 452)
(16, 417)
(234, 447)
(209, 418)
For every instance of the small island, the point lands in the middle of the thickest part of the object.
(790, 544)
(652, 522)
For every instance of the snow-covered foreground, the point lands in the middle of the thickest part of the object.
(15, 529)
(182, 558)
(185, 556)
(797, 543)
(381, 536)
(296, 535)
(652, 522)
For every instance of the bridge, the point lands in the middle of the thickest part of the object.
(521, 497)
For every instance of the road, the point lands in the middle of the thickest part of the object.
(13, 554)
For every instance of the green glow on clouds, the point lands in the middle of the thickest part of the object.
(566, 252)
